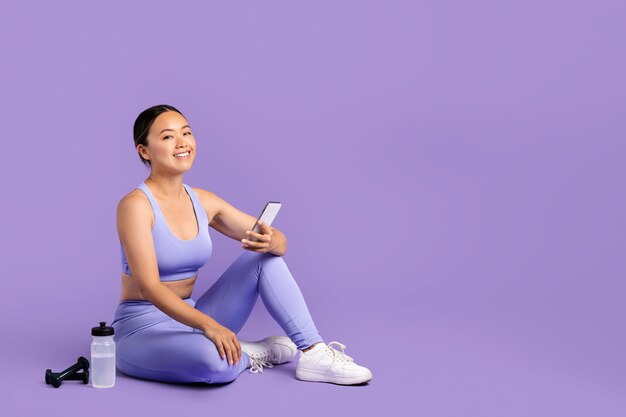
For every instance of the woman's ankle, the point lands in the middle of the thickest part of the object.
(311, 347)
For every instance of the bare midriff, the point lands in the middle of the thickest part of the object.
(131, 291)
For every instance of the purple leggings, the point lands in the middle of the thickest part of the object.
(152, 345)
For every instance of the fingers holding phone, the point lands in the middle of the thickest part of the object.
(259, 239)
(259, 242)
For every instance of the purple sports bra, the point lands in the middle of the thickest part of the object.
(176, 258)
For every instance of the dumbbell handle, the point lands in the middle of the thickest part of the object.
(82, 363)
(78, 376)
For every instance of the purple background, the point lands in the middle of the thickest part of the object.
(452, 175)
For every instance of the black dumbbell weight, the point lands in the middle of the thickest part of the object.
(78, 376)
(55, 379)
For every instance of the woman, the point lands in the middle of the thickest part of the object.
(161, 333)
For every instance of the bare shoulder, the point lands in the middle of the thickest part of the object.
(134, 206)
(135, 198)
(210, 201)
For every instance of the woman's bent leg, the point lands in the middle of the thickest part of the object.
(231, 298)
(152, 345)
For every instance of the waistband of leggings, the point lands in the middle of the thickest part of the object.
(131, 301)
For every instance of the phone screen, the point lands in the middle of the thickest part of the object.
(268, 214)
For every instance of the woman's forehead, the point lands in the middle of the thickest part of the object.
(169, 120)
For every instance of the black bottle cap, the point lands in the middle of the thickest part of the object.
(103, 330)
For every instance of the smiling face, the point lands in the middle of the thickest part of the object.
(169, 135)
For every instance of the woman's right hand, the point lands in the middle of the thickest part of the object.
(226, 342)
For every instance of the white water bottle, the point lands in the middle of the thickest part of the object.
(102, 356)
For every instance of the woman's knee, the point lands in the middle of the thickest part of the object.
(215, 370)
(262, 259)
(257, 256)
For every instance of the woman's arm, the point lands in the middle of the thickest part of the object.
(134, 215)
(232, 222)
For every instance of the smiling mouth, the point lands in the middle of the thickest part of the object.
(182, 155)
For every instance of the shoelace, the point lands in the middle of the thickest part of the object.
(256, 365)
(337, 354)
(258, 361)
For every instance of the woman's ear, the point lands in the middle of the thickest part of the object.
(142, 151)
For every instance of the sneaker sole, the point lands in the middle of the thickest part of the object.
(315, 376)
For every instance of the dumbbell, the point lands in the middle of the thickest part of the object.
(56, 378)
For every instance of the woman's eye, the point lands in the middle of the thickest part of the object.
(170, 136)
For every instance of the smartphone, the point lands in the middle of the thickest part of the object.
(268, 214)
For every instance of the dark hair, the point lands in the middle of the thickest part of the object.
(144, 122)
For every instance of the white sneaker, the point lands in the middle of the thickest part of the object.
(272, 350)
(322, 363)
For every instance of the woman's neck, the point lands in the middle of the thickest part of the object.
(170, 187)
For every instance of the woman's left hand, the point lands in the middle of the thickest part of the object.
(265, 242)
